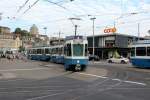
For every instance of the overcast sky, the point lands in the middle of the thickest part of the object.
(125, 13)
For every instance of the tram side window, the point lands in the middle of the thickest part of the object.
(53, 51)
(50, 51)
(141, 51)
(34, 51)
(31, 51)
(38, 51)
(86, 50)
(68, 49)
(65, 50)
(42, 51)
(132, 52)
(46, 51)
(148, 51)
(59, 51)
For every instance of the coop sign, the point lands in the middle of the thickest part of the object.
(110, 30)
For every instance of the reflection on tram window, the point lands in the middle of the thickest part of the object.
(78, 49)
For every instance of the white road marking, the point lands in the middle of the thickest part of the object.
(116, 79)
(41, 97)
(133, 82)
(93, 75)
(31, 91)
(22, 69)
(50, 65)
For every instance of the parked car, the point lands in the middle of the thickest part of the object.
(121, 60)
(94, 57)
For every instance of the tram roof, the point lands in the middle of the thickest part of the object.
(75, 37)
(142, 42)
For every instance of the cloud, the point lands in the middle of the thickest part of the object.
(55, 18)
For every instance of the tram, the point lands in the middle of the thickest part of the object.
(73, 53)
(39, 53)
(140, 54)
(76, 53)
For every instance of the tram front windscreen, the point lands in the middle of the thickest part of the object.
(78, 49)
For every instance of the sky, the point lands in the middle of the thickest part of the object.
(56, 15)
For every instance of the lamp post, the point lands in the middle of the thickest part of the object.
(138, 31)
(59, 37)
(93, 19)
(59, 33)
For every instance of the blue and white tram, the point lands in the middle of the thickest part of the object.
(140, 54)
(57, 54)
(39, 53)
(75, 53)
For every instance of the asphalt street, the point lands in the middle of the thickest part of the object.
(33, 80)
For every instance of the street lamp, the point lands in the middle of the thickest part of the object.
(93, 19)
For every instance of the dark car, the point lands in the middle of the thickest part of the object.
(94, 57)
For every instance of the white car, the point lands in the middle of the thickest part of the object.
(121, 60)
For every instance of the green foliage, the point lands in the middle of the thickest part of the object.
(17, 31)
(22, 32)
(21, 48)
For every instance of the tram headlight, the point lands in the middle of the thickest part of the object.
(78, 61)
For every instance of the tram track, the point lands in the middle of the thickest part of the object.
(90, 87)
(96, 85)
(66, 87)
(102, 88)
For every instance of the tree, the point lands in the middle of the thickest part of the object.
(22, 32)
(25, 33)
(18, 31)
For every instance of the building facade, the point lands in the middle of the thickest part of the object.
(107, 44)
(34, 30)
(9, 41)
(4, 30)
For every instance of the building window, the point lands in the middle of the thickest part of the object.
(109, 43)
(141, 51)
